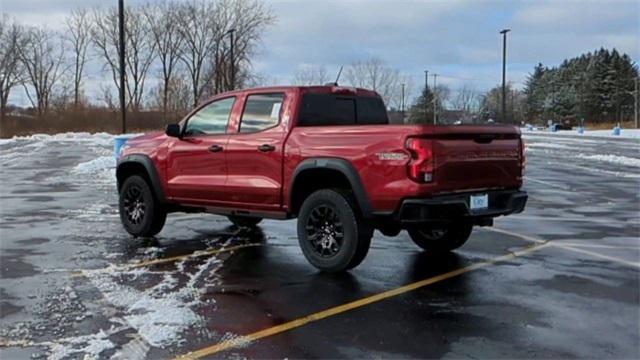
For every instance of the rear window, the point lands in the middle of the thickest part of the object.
(330, 109)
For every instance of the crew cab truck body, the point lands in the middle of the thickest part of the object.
(326, 155)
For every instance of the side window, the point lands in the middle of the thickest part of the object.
(323, 110)
(261, 111)
(211, 119)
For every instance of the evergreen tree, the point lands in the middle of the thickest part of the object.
(417, 114)
(594, 86)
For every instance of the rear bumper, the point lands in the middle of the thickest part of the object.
(456, 206)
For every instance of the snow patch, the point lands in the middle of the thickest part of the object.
(90, 345)
(613, 159)
(547, 145)
(160, 314)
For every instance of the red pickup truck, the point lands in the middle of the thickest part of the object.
(327, 156)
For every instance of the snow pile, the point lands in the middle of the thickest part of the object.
(613, 159)
(95, 165)
(624, 133)
(104, 139)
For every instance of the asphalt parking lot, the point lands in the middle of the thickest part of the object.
(559, 280)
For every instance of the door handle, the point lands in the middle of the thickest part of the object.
(266, 147)
(215, 148)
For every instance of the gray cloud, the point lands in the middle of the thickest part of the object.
(455, 38)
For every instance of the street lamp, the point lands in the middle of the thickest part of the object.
(504, 73)
(233, 70)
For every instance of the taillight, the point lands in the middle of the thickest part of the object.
(523, 158)
(420, 167)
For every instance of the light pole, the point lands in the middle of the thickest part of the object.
(233, 70)
(435, 100)
(504, 73)
(426, 91)
(123, 105)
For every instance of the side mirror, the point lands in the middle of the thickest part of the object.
(173, 130)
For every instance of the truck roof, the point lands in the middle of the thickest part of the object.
(313, 89)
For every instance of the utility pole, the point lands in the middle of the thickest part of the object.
(123, 105)
(635, 107)
(504, 74)
(233, 65)
(435, 100)
(426, 90)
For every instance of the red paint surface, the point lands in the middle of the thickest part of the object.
(241, 176)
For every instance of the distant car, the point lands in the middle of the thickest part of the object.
(328, 156)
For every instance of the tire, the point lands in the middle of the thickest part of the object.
(136, 196)
(331, 233)
(441, 239)
(244, 221)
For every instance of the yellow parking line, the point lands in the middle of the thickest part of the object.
(164, 260)
(559, 244)
(242, 340)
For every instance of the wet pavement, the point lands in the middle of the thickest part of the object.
(73, 284)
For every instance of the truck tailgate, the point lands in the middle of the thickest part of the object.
(467, 159)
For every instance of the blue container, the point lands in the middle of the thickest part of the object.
(616, 130)
(553, 128)
(580, 130)
(118, 143)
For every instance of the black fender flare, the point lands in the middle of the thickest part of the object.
(149, 166)
(343, 166)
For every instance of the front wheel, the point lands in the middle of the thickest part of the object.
(140, 213)
(441, 238)
(332, 235)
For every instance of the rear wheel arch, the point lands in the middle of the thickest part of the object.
(325, 173)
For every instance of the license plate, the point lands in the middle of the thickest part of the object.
(479, 202)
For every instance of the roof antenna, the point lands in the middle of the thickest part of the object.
(339, 73)
(337, 78)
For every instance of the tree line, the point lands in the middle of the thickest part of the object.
(187, 43)
(594, 87)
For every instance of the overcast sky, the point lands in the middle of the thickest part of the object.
(457, 39)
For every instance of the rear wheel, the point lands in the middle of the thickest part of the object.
(442, 238)
(244, 221)
(140, 213)
(331, 233)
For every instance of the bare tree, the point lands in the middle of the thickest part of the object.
(376, 75)
(140, 49)
(179, 96)
(310, 75)
(466, 99)
(398, 98)
(164, 31)
(11, 39)
(78, 27)
(199, 32)
(248, 20)
(42, 56)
